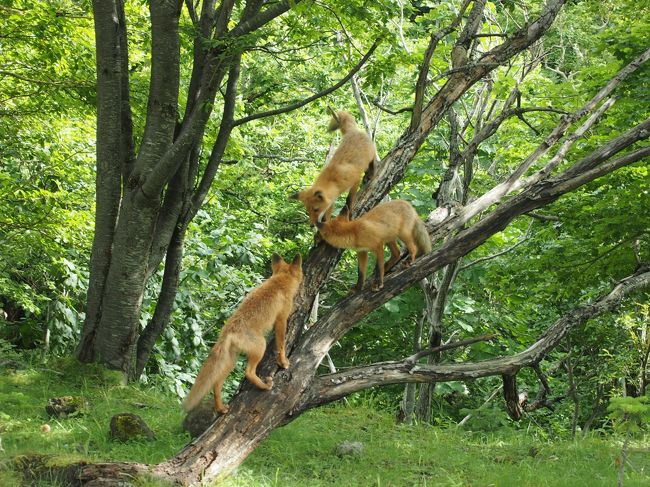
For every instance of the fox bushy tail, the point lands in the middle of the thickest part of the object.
(217, 366)
(421, 237)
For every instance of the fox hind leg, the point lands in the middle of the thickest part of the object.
(229, 358)
(413, 250)
(254, 353)
(218, 404)
(362, 257)
(370, 172)
(394, 255)
(379, 254)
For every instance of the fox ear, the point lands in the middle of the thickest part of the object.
(318, 195)
(335, 121)
(296, 195)
(276, 259)
(297, 260)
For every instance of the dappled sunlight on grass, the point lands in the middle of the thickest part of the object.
(302, 453)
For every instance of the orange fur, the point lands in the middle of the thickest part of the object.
(351, 159)
(266, 307)
(384, 224)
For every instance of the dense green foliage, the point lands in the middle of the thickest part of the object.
(46, 210)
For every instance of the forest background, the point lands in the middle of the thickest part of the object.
(535, 271)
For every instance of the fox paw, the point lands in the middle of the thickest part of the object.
(268, 381)
(377, 287)
(222, 409)
(283, 362)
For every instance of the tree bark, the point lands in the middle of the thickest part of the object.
(165, 303)
(253, 413)
(111, 59)
(407, 407)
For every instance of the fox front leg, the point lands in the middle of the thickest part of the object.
(362, 257)
(379, 254)
(280, 332)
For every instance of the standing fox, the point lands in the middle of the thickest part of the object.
(351, 159)
(384, 224)
(267, 306)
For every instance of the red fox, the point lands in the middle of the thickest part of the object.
(352, 158)
(384, 224)
(267, 306)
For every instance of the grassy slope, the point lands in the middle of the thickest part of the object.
(301, 454)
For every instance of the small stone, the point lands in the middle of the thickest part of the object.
(128, 426)
(66, 406)
(349, 448)
(200, 418)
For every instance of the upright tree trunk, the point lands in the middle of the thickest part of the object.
(165, 302)
(109, 32)
(118, 329)
(407, 406)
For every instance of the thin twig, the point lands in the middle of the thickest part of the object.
(316, 96)
(459, 343)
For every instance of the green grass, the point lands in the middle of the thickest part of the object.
(302, 453)
(24, 394)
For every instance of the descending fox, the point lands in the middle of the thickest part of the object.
(384, 224)
(267, 306)
(351, 159)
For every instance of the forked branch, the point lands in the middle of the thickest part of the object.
(316, 96)
(331, 387)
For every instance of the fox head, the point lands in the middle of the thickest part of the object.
(340, 120)
(316, 203)
(335, 224)
(279, 266)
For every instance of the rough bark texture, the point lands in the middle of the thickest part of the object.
(254, 414)
(110, 74)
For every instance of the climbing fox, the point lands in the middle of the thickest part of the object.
(267, 306)
(352, 158)
(384, 224)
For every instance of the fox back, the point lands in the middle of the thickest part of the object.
(258, 310)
